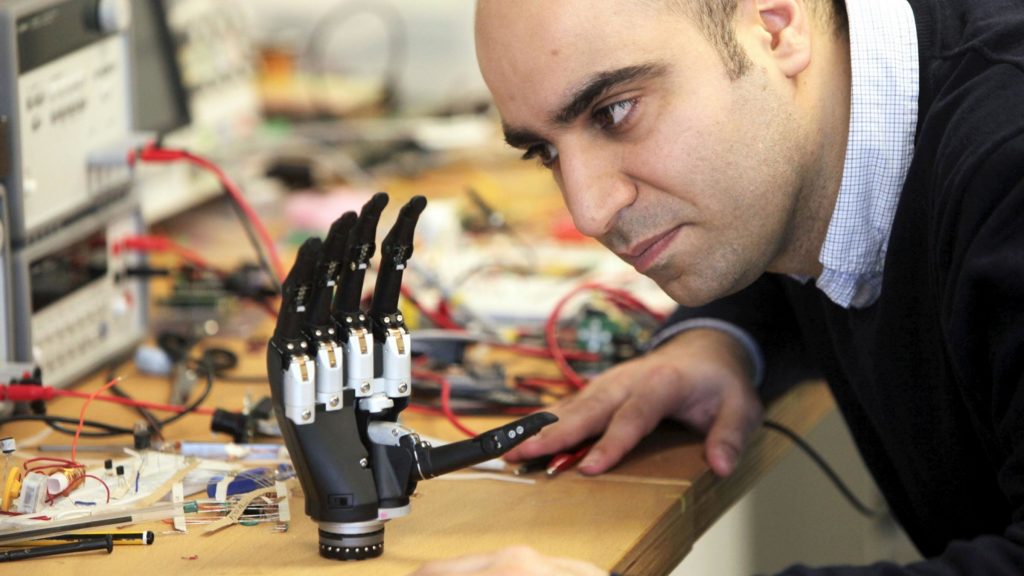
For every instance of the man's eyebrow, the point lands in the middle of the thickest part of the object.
(518, 138)
(584, 96)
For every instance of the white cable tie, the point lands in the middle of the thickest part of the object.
(177, 496)
(284, 511)
(221, 492)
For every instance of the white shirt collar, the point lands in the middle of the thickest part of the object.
(883, 120)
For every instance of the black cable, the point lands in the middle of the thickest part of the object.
(149, 417)
(206, 371)
(111, 430)
(497, 222)
(243, 379)
(205, 366)
(250, 232)
(222, 360)
(855, 502)
(116, 390)
(84, 434)
(216, 360)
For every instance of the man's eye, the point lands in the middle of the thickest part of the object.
(545, 153)
(611, 115)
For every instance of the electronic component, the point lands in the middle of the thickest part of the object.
(159, 96)
(65, 91)
(66, 94)
(72, 311)
(31, 494)
(215, 105)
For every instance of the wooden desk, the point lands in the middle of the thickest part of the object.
(639, 519)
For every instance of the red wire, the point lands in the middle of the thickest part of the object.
(100, 480)
(620, 297)
(150, 243)
(627, 300)
(163, 244)
(58, 463)
(31, 393)
(438, 318)
(551, 337)
(537, 351)
(446, 399)
(135, 403)
(552, 386)
(81, 415)
(151, 153)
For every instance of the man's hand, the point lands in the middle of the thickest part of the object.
(700, 377)
(514, 561)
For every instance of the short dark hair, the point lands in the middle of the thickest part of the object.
(715, 20)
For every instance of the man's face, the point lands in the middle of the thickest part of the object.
(688, 175)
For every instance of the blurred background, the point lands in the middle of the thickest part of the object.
(313, 105)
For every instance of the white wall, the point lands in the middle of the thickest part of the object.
(441, 64)
(795, 515)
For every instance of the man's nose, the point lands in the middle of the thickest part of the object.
(595, 188)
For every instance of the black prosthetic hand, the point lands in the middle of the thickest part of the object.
(325, 446)
(340, 378)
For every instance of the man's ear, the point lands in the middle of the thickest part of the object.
(783, 29)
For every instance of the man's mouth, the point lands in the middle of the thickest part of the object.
(643, 255)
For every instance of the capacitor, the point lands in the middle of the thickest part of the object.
(59, 481)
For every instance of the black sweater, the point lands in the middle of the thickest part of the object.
(930, 378)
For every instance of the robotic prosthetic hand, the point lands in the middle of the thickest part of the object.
(340, 377)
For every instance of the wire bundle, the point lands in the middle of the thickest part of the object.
(255, 230)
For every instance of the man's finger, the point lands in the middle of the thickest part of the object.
(574, 426)
(737, 418)
(634, 420)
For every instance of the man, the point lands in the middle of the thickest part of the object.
(826, 188)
